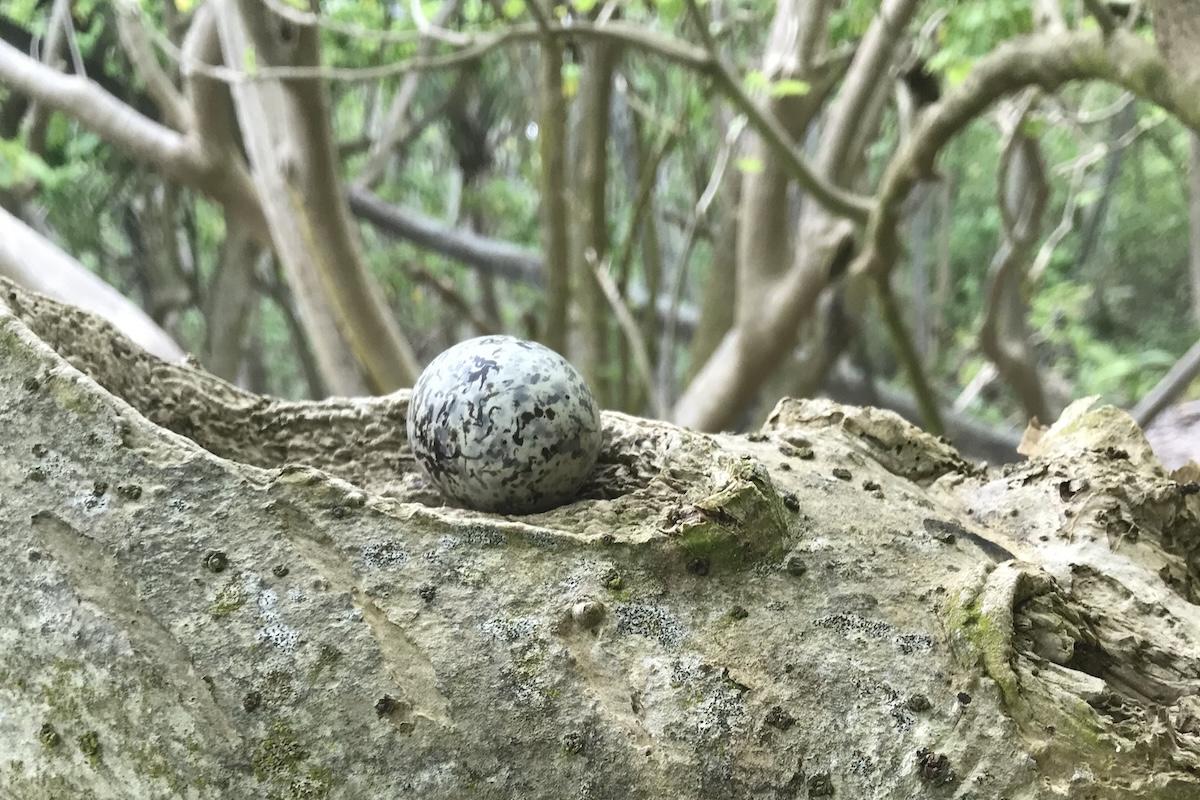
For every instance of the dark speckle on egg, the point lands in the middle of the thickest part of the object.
(502, 424)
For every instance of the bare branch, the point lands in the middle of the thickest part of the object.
(776, 136)
(908, 356)
(104, 114)
(864, 79)
(445, 289)
(1048, 61)
(666, 353)
(138, 48)
(38, 115)
(1022, 193)
(473, 48)
(36, 263)
(1178, 378)
(629, 327)
(492, 255)
(394, 128)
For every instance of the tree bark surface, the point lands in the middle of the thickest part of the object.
(212, 594)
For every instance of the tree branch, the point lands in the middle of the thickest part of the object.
(38, 264)
(1048, 61)
(495, 256)
(768, 126)
(865, 77)
(104, 114)
(394, 129)
(1178, 378)
(908, 356)
(629, 327)
(138, 48)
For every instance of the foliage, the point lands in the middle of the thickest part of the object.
(1110, 326)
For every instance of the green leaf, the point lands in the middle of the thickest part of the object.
(749, 165)
(584, 6)
(755, 80)
(670, 10)
(570, 79)
(513, 8)
(250, 60)
(789, 87)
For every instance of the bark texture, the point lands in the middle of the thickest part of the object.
(213, 594)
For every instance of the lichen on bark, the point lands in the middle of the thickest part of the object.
(874, 616)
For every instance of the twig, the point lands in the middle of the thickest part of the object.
(679, 278)
(641, 203)
(629, 327)
(1178, 377)
(452, 297)
(140, 51)
(474, 47)
(768, 126)
(907, 354)
(836, 199)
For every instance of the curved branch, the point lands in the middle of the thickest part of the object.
(38, 264)
(113, 120)
(631, 35)
(1023, 193)
(1047, 61)
(136, 41)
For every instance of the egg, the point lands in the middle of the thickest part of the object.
(502, 424)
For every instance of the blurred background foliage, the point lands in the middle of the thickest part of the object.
(1110, 311)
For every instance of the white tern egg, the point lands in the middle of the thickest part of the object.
(503, 424)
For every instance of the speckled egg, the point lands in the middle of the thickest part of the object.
(501, 424)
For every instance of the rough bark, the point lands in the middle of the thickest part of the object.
(36, 263)
(273, 604)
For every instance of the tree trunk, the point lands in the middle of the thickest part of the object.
(552, 142)
(589, 233)
(274, 604)
(1194, 222)
(285, 126)
(231, 298)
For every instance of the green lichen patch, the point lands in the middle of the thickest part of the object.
(314, 785)
(279, 754)
(89, 745)
(49, 737)
(327, 657)
(229, 599)
(744, 522)
(280, 759)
